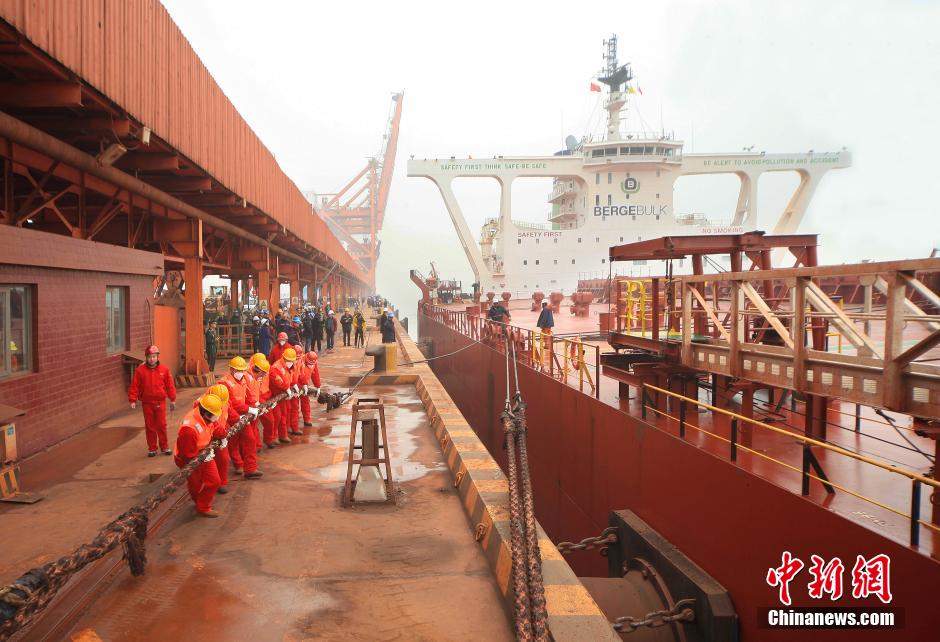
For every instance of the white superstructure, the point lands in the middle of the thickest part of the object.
(606, 192)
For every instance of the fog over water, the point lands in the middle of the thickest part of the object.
(314, 80)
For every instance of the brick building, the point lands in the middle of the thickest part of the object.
(69, 308)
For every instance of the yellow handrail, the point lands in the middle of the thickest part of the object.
(803, 439)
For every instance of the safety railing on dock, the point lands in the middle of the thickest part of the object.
(234, 340)
(567, 359)
(653, 401)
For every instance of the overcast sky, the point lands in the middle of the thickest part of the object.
(314, 80)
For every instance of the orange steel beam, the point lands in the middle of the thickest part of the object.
(340, 193)
(40, 94)
(149, 161)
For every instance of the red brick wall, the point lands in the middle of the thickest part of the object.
(75, 381)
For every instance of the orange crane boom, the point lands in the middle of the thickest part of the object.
(355, 213)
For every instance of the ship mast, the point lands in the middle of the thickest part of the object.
(615, 75)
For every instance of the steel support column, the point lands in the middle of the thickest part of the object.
(195, 333)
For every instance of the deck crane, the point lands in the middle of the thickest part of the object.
(356, 212)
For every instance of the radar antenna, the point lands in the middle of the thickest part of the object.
(615, 76)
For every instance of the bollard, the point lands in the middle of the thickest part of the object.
(386, 357)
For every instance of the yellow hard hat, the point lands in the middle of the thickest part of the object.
(262, 364)
(290, 355)
(238, 363)
(211, 403)
(220, 390)
(256, 357)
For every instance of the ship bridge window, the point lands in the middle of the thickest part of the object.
(597, 178)
(536, 262)
(597, 198)
(624, 151)
(536, 241)
(556, 263)
(556, 240)
(597, 153)
(610, 151)
(16, 322)
(572, 261)
(609, 199)
(519, 241)
(525, 262)
(579, 239)
(603, 260)
(636, 151)
(610, 177)
(669, 151)
(648, 151)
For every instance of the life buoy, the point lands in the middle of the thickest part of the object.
(573, 355)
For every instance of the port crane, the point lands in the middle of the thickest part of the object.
(356, 212)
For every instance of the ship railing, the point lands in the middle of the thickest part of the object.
(567, 359)
(664, 403)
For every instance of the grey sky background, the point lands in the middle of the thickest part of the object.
(314, 81)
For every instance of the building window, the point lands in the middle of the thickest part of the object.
(603, 260)
(525, 262)
(519, 241)
(556, 263)
(597, 239)
(610, 177)
(597, 199)
(657, 194)
(609, 197)
(536, 262)
(16, 320)
(621, 239)
(115, 303)
(579, 239)
(572, 261)
(597, 179)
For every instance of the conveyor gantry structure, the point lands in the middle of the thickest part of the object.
(864, 333)
(113, 131)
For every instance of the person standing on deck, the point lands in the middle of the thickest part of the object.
(195, 433)
(308, 330)
(387, 327)
(153, 385)
(359, 323)
(264, 334)
(212, 344)
(546, 319)
(346, 321)
(330, 329)
(317, 330)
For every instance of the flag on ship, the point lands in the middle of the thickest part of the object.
(595, 87)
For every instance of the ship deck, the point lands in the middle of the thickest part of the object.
(779, 459)
(285, 560)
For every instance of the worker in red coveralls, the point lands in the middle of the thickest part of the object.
(278, 349)
(310, 377)
(243, 444)
(293, 405)
(220, 431)
(153, 385)
(258, 368)
(278, 380)
(195, 433)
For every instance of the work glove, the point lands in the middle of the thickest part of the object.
(211, 455)
(296, 390)
(172, 405)
(290, 393)
(133, 405)
(223, 443)
(305, 388)
(253, 412)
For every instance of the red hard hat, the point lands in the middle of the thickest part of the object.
(282, 336)
(310, 357)
(299, 348)
(152, 350)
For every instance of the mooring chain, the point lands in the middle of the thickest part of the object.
(608, 536)
(21, 600)
(681, 611)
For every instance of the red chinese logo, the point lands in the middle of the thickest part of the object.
(872, 577)
(827, 578)
(869, 577)
(784, 574)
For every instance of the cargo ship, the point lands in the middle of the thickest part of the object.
(723, 456)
